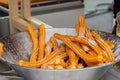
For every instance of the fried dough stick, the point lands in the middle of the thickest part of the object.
(54, 42)
(42, 35)
(80, 65)
(72, 58)
(92, 44)
(89, 42)
(89, 64)
(34, 38)
(59, 62)
(59, 59)
(103, 45)
(81, 30)
(51, 45)
(52, 61)
(48, 48)
(47, 66)
(61, 56)
(78, 50)
(88, 33)
(105, 56)
(92, 52)
(86, 41)
(110, 44)
(59, 67)
(77, 28)
(1, 49)
(86, 48)
(42, 61)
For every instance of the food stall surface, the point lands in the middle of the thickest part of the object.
(10, 78)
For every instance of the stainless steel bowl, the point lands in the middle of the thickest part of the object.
(18, 46)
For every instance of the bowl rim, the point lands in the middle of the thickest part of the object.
(76, 69)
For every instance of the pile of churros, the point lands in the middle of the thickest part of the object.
(85, 49)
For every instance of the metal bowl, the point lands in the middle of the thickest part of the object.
(18, 46)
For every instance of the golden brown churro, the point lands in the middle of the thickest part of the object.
(34, 38)
(1, 49)
(103, 45)
(48, 48)
(72, 57)
(42, 61)
(78, 50)
(81, 26)
(54, 42)
(110, 44)
(42, 35)
(89, 42)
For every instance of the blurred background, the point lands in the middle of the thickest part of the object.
(99, 14)
(64, 13)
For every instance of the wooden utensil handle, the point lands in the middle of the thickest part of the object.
(13, 14)
(18, 23)
(25, 9)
